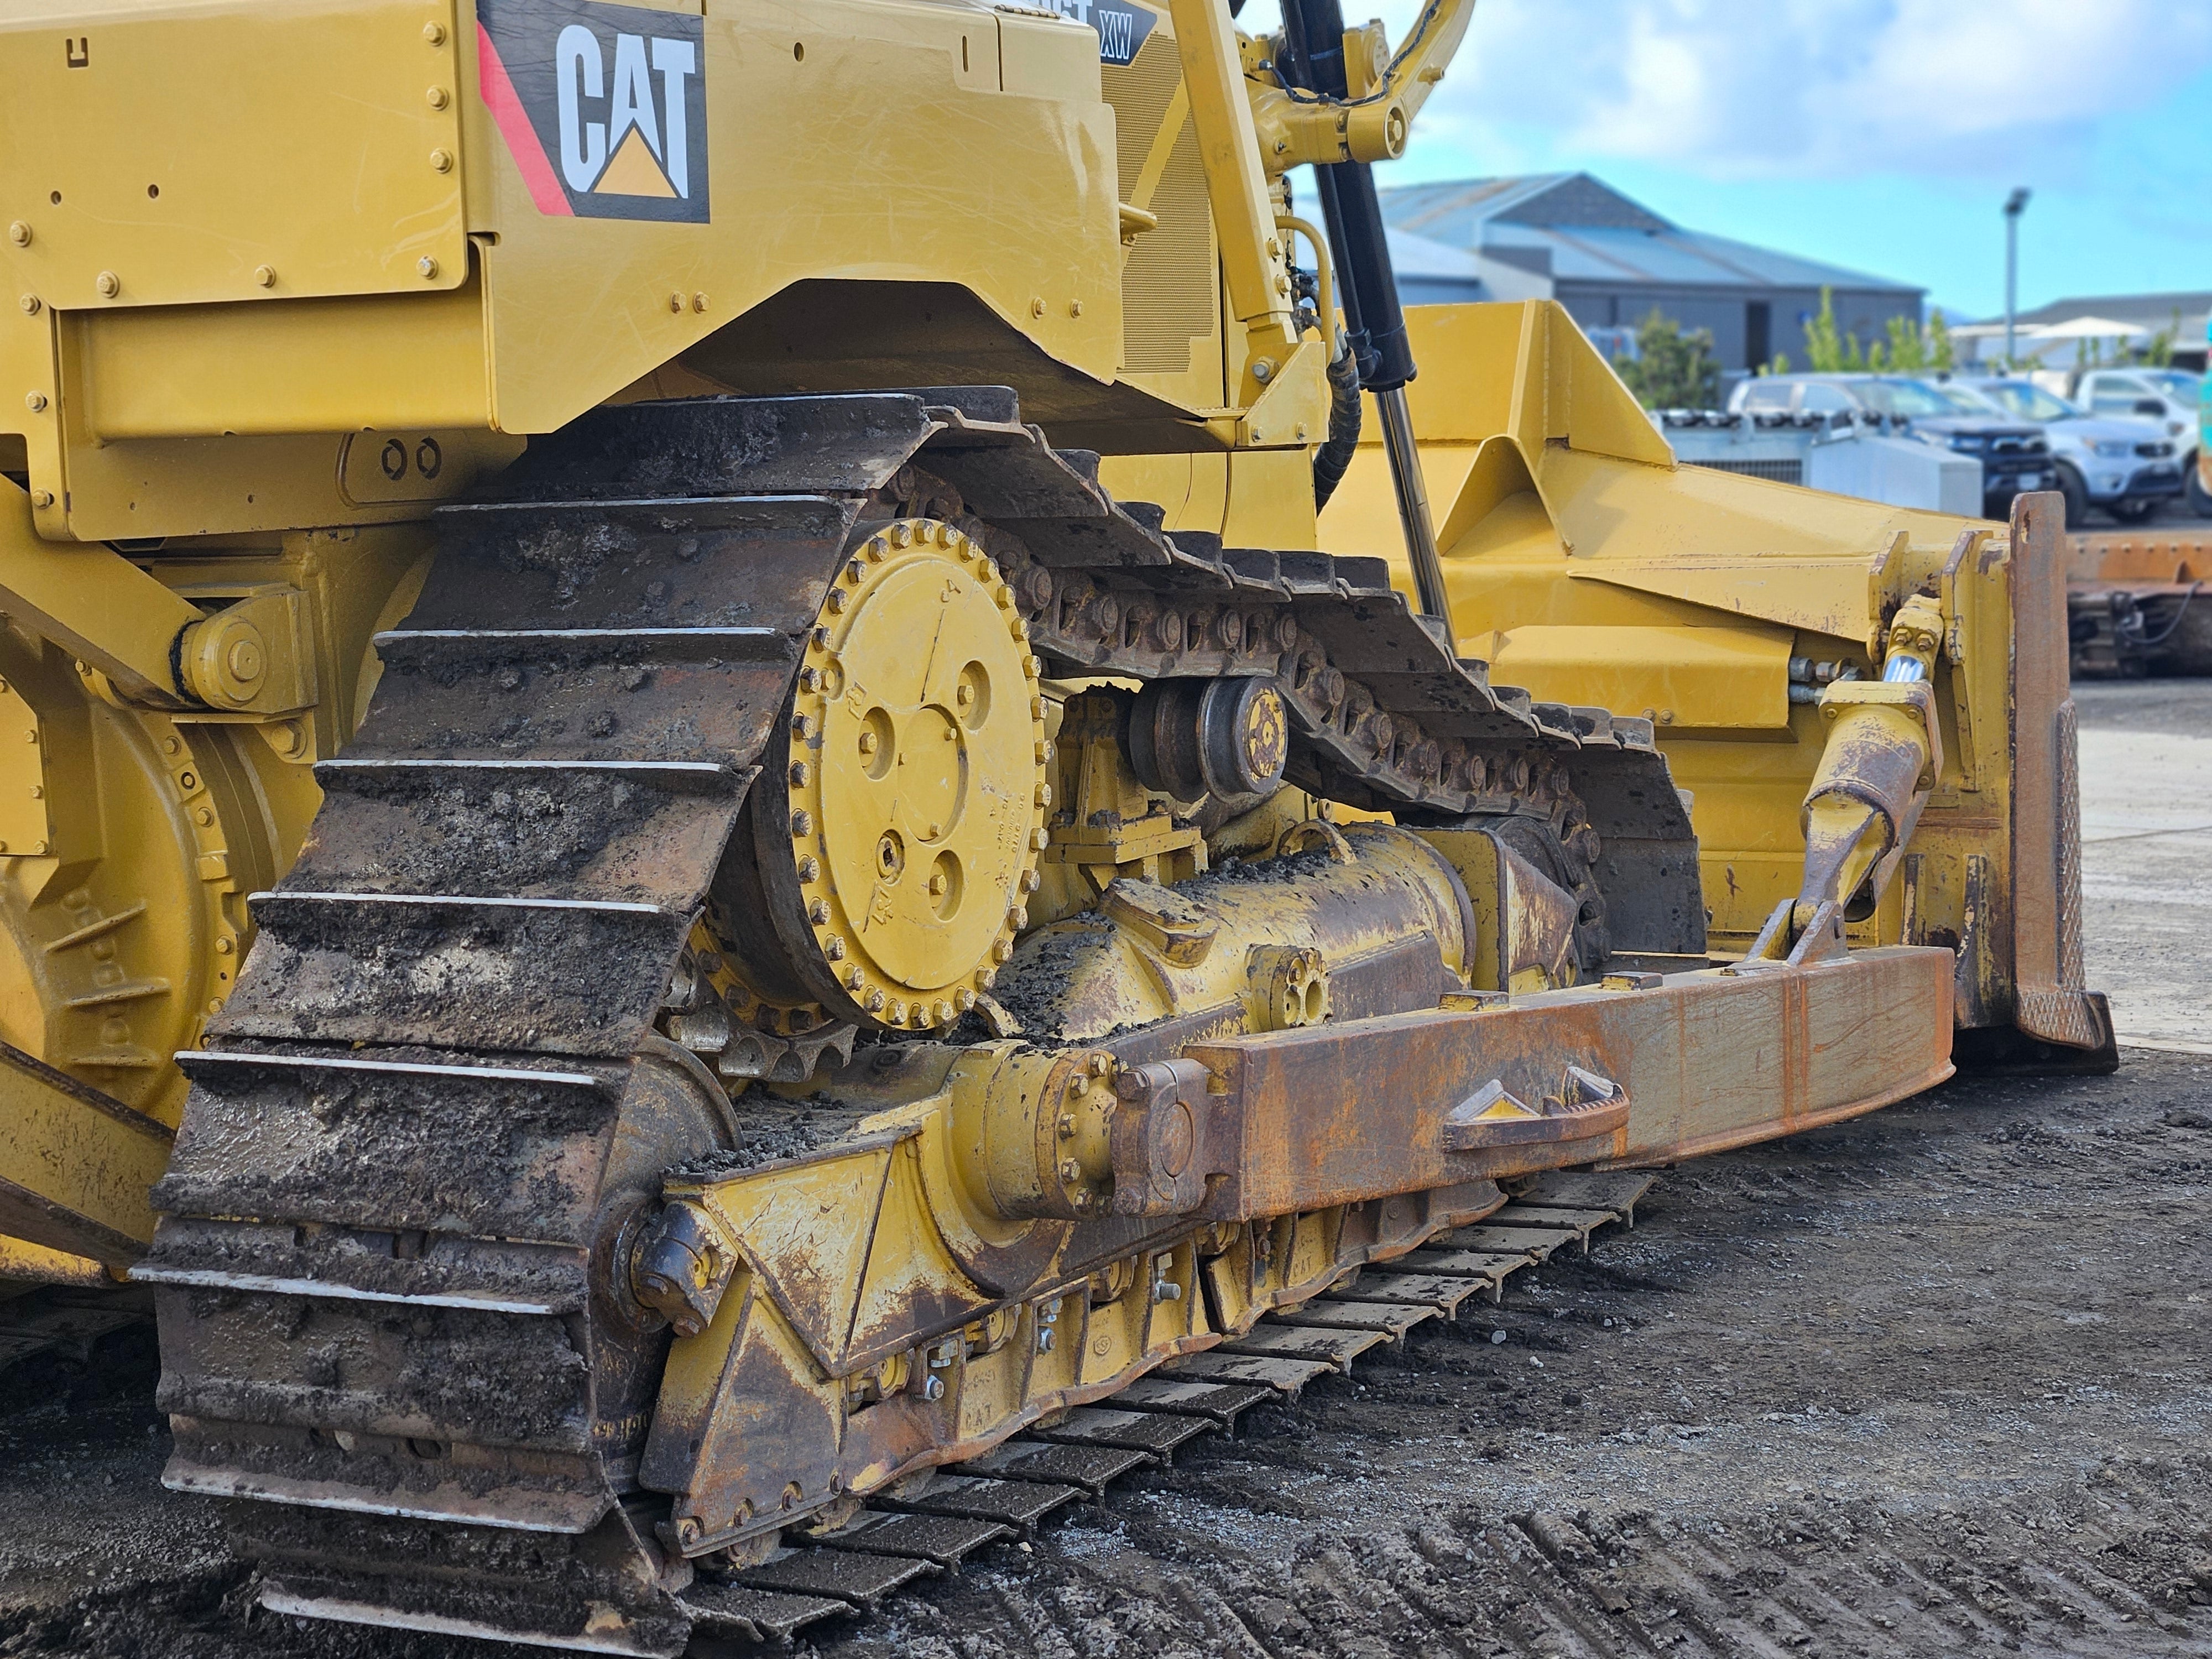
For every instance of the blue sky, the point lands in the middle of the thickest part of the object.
(1883, 135)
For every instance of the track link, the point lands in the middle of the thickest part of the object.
(440, 1094)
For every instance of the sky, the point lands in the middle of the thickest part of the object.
(1880, 135)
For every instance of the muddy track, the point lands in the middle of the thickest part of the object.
(393, 1301)
(1970, 1467)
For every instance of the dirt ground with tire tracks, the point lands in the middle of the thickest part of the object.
(1937, 1381)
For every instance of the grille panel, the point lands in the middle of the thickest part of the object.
(1168, 293)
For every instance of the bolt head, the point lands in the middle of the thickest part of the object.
(264, 276)
(108, 284)
(36, 403)
(435, 34)
(441, 161)
(32, 305)
(42, 498)
(437, 97)
(20, 234)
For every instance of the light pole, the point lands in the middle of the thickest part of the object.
(2015, 204)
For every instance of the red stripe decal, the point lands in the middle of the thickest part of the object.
(522, 142)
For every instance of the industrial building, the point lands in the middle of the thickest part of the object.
(1611, 262)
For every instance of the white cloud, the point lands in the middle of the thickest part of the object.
(1753, 88)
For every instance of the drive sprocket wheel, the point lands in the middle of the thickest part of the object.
(898, 821)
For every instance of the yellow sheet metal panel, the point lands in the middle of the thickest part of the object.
(75, 1163)
(1718, 677)
(328, 365)
(240, 151)
(842, 139)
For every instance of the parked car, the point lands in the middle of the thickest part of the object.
(2125, 467)
(2014, 454)
(2172, 397)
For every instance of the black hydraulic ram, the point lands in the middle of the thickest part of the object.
(1367, 286)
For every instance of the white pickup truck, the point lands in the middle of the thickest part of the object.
(2172, 396)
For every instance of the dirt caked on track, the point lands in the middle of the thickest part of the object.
(1932, 1381)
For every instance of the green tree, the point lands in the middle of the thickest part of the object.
(1943, 351)
(1824, 348)
(2158, 350)
(1913, 349)
(1672, 369)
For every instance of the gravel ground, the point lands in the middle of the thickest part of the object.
(1934, 1382)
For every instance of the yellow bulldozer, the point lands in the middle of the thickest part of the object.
(754, 750)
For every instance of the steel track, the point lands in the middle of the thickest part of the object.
(384, 1304)
(896, 1543)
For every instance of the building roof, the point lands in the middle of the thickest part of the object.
(1572, 227)
(2150, 310)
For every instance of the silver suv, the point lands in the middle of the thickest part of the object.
(2125, 467)
(2172, 396)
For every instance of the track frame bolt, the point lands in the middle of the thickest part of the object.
(429, 268)
(19, 233)
(264, 276)
(32, 305)
(36, 403)
(441, 161)
(437, 97)
(108, 284)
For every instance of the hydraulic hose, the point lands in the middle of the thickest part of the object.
(1334, 456)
